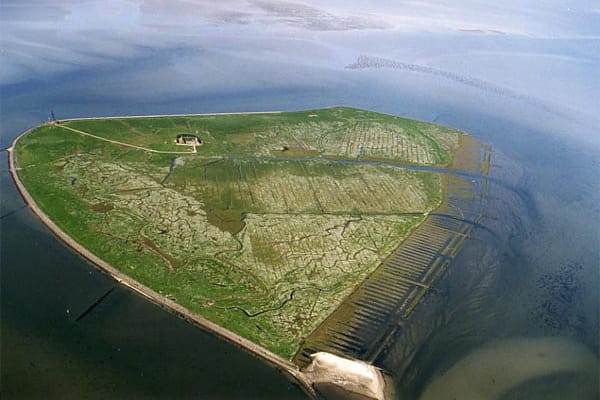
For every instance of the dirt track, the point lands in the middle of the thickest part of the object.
(125, 144)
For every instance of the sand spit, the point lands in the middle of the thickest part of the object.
(336, 377)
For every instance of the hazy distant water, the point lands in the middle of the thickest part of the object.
(527, 286)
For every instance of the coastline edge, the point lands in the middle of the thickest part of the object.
(169, 305)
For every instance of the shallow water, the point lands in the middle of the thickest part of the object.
(502, 293)
(492, 370)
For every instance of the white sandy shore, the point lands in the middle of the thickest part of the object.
(357, 379)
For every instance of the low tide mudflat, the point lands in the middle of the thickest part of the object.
(264, 229)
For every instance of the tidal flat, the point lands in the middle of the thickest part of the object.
(263, 224)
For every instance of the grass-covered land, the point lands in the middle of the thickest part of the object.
(265, 229)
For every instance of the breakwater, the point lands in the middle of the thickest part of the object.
(365, 323)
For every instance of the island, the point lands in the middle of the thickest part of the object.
(257, 226)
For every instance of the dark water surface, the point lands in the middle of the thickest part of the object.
(125, 348)
(516, 316)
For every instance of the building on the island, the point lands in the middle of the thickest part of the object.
(186, 139)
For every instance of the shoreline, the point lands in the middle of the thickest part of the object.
(254, 349)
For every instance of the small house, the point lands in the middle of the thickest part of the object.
(185, 139)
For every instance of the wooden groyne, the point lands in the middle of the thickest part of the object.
(370, 317)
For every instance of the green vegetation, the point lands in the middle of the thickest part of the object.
(265, 229)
